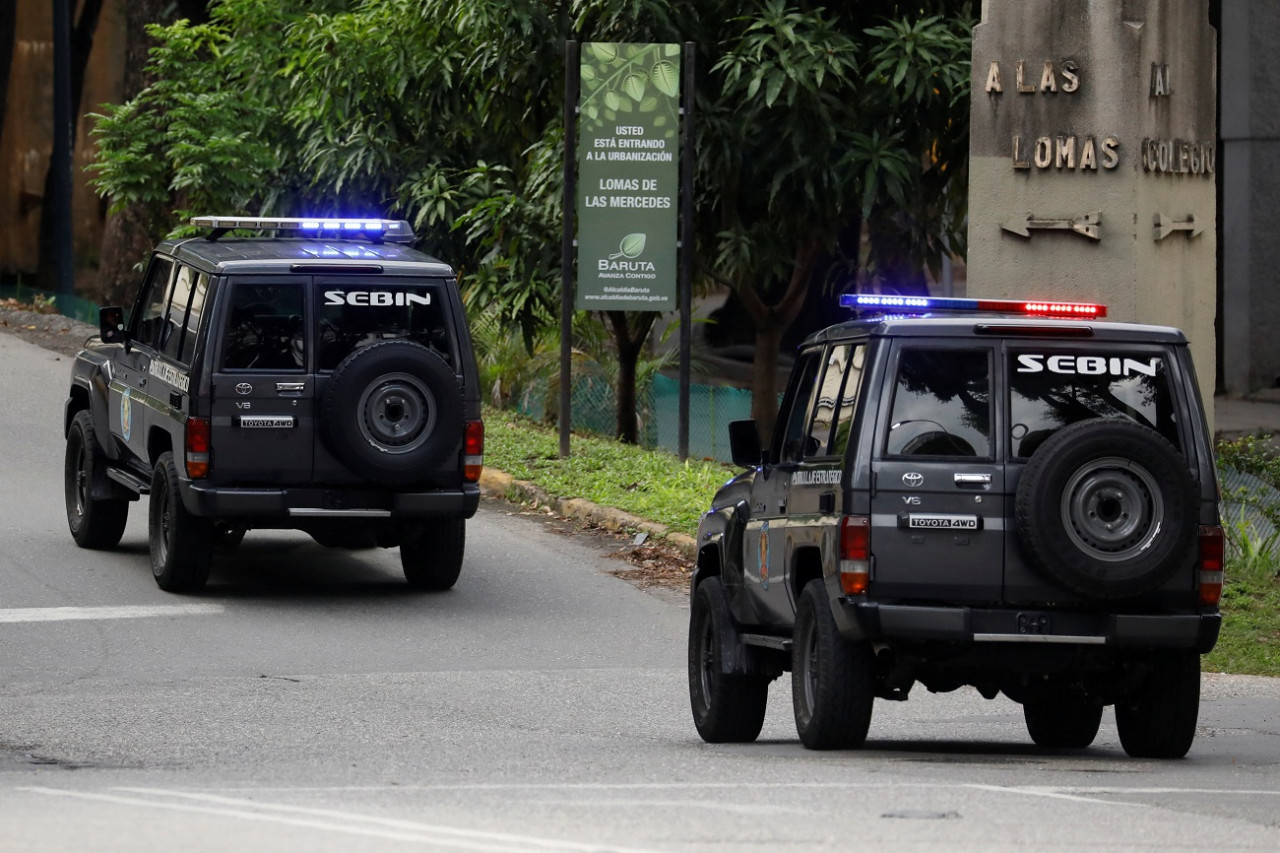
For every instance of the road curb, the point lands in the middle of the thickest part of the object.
(499, 484)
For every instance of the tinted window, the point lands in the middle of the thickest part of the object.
(848, 399)
(1052, 388)
(837, 390)
(264, 330)
(195, 312)
(183, 288)
(353, 316)
(151, 328)
(941, 404)
(796, 442)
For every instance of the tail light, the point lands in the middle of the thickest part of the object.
(196, 443)
(472, 451)
(1210, 566)
(855, 554)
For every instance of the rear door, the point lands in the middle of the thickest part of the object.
(264, 397)
(937, 514)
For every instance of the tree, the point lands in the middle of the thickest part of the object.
(131, 223)
(812, 122)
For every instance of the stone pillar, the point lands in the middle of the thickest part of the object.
(1093, 160)
(1250, 196)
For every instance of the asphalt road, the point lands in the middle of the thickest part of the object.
(309, 701)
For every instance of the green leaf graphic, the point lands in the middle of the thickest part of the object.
(630, 247)
(604, 51)
(634, 86)
(612, 100)
(665, 77)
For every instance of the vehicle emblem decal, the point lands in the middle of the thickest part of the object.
(764, 555)
(912, 480)
(126, 414)
(244, 388)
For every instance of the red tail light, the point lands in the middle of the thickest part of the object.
(472, 451)
(1211, 557)
(855, 554)
(197, 447)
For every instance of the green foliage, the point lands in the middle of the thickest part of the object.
(651, 484)
(1250, 640)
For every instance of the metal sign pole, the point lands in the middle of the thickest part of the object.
(566, 241)
(686, 250)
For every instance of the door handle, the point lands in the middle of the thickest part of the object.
(973, 479)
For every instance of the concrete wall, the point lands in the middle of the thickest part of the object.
(1093, 124)
(1250, 175)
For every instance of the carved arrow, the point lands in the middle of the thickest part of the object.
(1085, 226)
(1166, 226)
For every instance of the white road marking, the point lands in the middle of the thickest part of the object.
(140, 611)
(328, 820)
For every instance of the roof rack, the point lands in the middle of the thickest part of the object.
(376, 230)
(874, 303)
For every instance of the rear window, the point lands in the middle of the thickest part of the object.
(1050, 389)
(353, 316)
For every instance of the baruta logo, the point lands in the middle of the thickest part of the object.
(629, 250)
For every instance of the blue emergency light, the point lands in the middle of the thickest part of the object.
(885, 303)
(389, 230)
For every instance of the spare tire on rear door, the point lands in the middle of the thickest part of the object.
(1108, 509)
(392, 412)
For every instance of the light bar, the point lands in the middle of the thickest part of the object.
(391, 230)
(935, 304)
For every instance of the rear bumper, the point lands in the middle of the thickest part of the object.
(863, 619)
(310, 504)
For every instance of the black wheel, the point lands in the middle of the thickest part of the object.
(392, 411)
(432, 555)
(1107, 509)
(1159, 721)
(832, 679)
(726, 708)
(1062, 722)
(94, 523)
(180, 542)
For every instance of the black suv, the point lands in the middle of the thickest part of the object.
(318, 378)
(996, 499)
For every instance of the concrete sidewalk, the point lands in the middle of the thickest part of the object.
(1240, 416)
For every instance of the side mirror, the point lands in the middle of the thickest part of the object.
(744, 444)
(111, 325)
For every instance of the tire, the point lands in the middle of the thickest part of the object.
(832, 679)
(432, 556)
(1159, 721)
(392, 412)
(181, 543)
(1107, 509)
(1062, 722)
(94, 523)
(726, 708)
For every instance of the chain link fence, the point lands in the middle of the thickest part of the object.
(594, 409)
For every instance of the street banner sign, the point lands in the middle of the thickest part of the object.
(628, 177)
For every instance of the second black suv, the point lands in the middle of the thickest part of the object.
(318, 376)
(995, 499)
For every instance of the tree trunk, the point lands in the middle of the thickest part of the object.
(771, 321)
(8, 34)
(628, 337)
(81, 47)
(129, 234)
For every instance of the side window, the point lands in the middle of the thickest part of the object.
(830, 388)
(195, 313)
(795, 437)
(183, 285)
(1049, 389)
(941, 404)
(151, 329)
(264, 329)
(848, 399)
